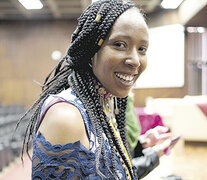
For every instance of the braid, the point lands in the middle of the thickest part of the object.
(84, 88)
(93, 27)
(121, 121)
(82, 84)
(54, 86)
(89, 32)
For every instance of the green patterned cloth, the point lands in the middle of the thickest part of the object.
(132, 124)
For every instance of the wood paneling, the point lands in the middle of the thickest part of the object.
(25, 55)
(142, 94)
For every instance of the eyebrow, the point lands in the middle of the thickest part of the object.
(145, 41)
(128, 37)
(120, 35)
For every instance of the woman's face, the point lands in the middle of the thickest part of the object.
(122, 57)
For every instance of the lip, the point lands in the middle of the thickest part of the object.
(124, 83)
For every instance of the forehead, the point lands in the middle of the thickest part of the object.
(130, 22)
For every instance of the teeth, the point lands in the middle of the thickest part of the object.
(125, 77)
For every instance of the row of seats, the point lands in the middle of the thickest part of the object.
(11, 140)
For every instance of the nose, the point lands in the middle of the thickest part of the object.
(133, 59)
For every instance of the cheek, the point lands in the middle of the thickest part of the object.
(101, 69)
(105, 64)
(143, 66)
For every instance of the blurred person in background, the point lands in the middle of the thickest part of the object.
(144, 148)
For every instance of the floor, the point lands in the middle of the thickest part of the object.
(17, 170)
(187, 160)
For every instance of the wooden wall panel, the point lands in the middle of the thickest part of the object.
(142, 94)
(25, 55)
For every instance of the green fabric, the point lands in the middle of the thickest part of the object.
(132, 124)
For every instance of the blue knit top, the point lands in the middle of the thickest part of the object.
(72, 160)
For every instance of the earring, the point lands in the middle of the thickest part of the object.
(90, 62)
(92, 59)
(116, 110)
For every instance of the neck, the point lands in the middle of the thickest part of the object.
(106, 97)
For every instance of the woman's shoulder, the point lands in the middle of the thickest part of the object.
(63, 123)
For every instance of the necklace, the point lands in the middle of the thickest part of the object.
(108, 110)
(107, 101)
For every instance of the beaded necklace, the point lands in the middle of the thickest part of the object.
(107, 102)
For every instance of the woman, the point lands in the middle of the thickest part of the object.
(79, 118)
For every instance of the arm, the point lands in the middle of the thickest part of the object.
(60, 148)
(150, 158)
(149, 149)
(146, 163)
(63, 124)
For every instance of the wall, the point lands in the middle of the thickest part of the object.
(25, 55)
(141, 94)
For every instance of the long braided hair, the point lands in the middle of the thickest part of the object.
(74, 72)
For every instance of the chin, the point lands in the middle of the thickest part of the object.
(122, 94)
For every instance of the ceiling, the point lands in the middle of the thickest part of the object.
(199, 19)
(59, 9)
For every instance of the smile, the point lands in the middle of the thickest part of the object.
(125, 77)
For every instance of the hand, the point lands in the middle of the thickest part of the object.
(155, 136)
(161, 148)
(165, 147)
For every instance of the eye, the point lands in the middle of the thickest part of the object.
(120, 45)
(142, 50)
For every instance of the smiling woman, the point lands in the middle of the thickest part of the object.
(78, 122)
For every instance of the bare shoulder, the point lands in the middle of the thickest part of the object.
(63, 124)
